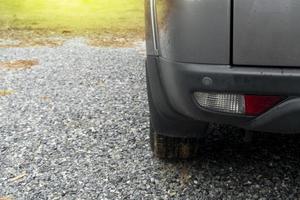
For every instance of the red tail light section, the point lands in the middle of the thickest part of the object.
(256, 105)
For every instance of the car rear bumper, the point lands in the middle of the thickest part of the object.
(180, 80)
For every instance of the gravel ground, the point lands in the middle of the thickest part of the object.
(76, 127)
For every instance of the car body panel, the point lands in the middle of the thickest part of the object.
(148, 29)
(249, 47)
(266, 32)
(196, 31)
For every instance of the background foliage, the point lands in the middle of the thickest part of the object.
(117, 17)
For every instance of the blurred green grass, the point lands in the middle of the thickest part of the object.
(78, 17)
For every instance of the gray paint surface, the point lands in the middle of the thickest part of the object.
(267, 32)
(195, 31)
(148, 29)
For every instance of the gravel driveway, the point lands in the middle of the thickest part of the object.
(76, 127)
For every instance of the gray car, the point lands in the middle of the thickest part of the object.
(233, 62)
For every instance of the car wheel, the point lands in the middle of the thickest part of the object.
(165, 147)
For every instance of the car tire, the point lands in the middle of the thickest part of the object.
(165, 147)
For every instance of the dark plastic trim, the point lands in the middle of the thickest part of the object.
(180, 80)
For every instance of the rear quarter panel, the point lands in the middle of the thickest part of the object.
(194, 31)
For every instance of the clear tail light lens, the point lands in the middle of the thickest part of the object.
(229, 103)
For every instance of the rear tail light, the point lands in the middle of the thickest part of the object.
(252, 105)
(256, 105)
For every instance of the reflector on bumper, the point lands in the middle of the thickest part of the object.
(252, 105)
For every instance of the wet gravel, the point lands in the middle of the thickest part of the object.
(76, 127)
